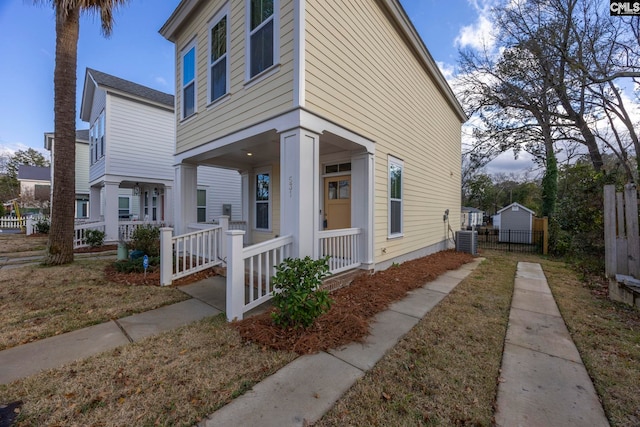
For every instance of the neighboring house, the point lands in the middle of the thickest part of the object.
(515, 223)
(131, 147)
(35, 188)
(82, 169)
(471, 217)
(334, 113)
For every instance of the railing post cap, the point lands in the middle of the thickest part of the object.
(235, 232)
(166, 229)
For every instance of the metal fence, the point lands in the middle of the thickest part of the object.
(512, 240)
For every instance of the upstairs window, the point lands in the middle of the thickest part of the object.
(396, 167)
(218, 58)
(261, 35)
(189, 81)
(96, 139)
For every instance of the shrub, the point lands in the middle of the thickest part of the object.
(298, 297)
(146, 238)
(135, 265)
(94, 238)
(42, 226)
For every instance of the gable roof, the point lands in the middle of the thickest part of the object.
(82, 136)
(36, 173)
(516, 204)
(186, 7)
(94, 78)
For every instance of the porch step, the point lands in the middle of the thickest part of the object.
(340, 280)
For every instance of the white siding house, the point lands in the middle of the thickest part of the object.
(130, 155)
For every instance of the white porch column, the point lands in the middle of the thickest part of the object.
(111, 211)
(244, 191)
(186, 205)
(168, 205)
(362, 168)
(94, 204)
(300, 189)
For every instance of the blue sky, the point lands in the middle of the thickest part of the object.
(137, 52)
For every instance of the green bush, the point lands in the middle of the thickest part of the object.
(42, 226)
(146, 238)
(94, 238)
(298, 298)
(135, 265)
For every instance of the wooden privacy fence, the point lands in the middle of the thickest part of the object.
(621, 235)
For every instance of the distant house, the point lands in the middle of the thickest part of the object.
(515, 223)
(35, 188)
(82, 169)
(471, 217)
(130, 157)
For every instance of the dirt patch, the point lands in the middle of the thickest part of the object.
(89, 249)
(353, 306)
(152, 278)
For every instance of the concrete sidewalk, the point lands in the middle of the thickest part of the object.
(544, 382)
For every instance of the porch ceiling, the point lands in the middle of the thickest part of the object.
(265, 149)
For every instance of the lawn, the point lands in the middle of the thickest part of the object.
(448, 364)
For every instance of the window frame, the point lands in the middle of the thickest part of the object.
(395, 162)
(128, 198)
(217, 18)
(258, 172)
(194, 81)
(199, 206)
(275, 18)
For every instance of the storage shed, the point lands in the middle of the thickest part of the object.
(516, 223)
(471, 217)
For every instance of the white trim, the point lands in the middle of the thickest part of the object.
(394, 161)
(267, 170)
(219, 16)
(299, 53)
(247, 35)
(290, 120)
(193, 44)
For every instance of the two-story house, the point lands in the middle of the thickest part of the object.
(35, 188)
(335, 115)
(130, 157)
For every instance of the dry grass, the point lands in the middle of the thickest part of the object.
(38, 302)
(174, 379)
(607, 335)
(444, 371)
(21, 245)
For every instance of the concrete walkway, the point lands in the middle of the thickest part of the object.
(544, 382)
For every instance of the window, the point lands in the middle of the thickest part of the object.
(189, 81)
(96, 138)
(395, 196)
(218, 59)
(262, 35)
(124, 204)
(202, 205)
(82, 209)
(263, 198)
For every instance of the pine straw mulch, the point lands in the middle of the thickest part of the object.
(353, 306)
(152, 278)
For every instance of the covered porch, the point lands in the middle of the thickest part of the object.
(304, 193)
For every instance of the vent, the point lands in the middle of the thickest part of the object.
(467, 241)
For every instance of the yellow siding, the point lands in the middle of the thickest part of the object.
(246, 105)
(361, 74)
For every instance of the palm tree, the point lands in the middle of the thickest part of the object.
(67, 13)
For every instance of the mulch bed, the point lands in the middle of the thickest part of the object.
(88, 249)
(353, 306)
(152, 277)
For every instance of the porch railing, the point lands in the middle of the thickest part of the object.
(127, 228)
(195, 251)
(249, 271)
(80, 233)
(342, 247)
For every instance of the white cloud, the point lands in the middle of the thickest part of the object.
(162, 81)
(447, 70)
(479, 35)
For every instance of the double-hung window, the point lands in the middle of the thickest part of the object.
(263, 199)
(202, 205)
(189, 81)
(124, 207)
(218, 57)
(96, 138)
(396, 167)
(262, 35)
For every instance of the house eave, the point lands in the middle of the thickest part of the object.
(184, 9)
(87, 97)
(398, 13)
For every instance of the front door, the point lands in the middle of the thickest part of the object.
(337, 202)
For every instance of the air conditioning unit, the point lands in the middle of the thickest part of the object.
(467, 241)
